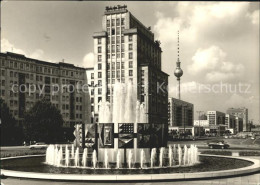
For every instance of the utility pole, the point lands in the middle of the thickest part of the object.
(199, 120)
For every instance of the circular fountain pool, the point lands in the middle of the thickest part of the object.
(37, 164)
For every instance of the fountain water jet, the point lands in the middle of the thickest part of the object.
(84, 157)
(94, 159)
(118, 159)
(130, 158)
(170, 156)
(106, 159)
(161, 156)
(153, 155)
(76, 159)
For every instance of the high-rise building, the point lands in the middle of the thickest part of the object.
(53, 82)
(242, 113)
(180, 113)
(216, 121)
(125, 50)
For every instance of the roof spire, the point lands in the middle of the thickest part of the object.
(178, 46)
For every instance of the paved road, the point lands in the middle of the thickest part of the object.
(245, 180)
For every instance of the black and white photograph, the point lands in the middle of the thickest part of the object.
(129, 92)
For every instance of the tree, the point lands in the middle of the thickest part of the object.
(11, 133)
(43, 123)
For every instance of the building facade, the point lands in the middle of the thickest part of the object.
(24, 81)
(216, 121)
(180, 113)
(242, 113)
(125, 51)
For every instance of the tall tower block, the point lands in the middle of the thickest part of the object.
(178, 71)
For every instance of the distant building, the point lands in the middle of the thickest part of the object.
(239, 124)
(230, 122)
(242, 113)
(180, 113)
(216, 121)
(201, 123)
(20, 71)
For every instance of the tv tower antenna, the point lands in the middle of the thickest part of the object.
(178, 71)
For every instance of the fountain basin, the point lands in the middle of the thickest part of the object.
(33, 167)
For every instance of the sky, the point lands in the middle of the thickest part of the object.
(219, 43)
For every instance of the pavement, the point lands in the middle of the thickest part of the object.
(253, 179)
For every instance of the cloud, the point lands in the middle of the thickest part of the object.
(201, 20)
(213, 63)
(254, 17)
(6, 46)
(88, 60)
(38, 53)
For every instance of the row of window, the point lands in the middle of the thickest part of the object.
(46, 70)
(117, 21)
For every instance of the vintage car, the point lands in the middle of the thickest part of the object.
(217, 144)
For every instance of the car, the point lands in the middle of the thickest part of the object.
(39, 145)
(217, 144)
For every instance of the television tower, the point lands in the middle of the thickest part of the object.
(178, 71)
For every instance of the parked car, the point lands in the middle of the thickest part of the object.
(39, 145)
(218, 144)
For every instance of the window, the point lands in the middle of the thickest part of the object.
(99, 90)
(113, 65)
(11, 73)
(118, 31)
(113, 22)
(99, 49)
(108, 56)
(117, 48)
(113, 40)
(99, 99)
(99, 40)
(122, 39)
(108, 23)
(113, 48)
(122, 73)
(117, 21)
(113, 74)
(99, 66)
(122, 55)
(99, 82)
(99, 74)
(123, 21)
(99, 58)
(130, 47)
(130, 72)
(130, 38)
(108, 31)
(113, 31)
(92, 91)
(122, 65)
(130, 56)
(118, 74)
(118, 55)
(130, 64)
(92, 75)
(123, 47)
(118, 65)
